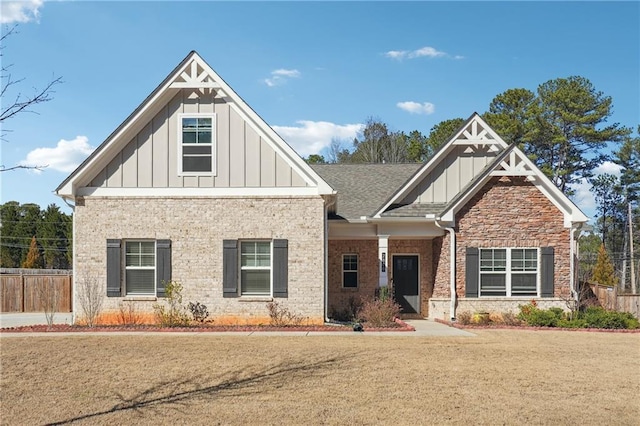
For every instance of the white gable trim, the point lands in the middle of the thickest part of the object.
(187, 76)
(518, 164)
(481, 134)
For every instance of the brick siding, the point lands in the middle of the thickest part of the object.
(196, 228)
(507, 212)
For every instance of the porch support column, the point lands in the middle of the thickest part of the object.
(383, 259)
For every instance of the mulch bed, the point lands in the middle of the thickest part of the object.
(526, 327)
(399, 325)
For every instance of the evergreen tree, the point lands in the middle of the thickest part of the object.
(603, 272)
(33, 259)
(10, 251)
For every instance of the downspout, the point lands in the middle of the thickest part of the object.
(73, 260)
(452, 267)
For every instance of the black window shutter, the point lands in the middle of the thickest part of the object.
(547, 271)
(114, 276)
(472, 267)
(230, 268)
(280, 268)
(163, 266)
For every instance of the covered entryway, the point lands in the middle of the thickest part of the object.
(406, 282)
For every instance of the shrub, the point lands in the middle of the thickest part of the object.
(509, 318)
(464, 317)
(378, 312)
(348, 313)
(481, 318)
(128, 314)
(597, 317)
(199, 312)
(173, 314)
(535, 317)
(90, 298)
(281, 316)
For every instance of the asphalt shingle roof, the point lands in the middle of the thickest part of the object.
(364, 188)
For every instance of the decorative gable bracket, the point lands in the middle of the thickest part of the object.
(514, 165)
(195, 76)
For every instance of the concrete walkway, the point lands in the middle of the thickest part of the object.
(32, 318)
(424, 328)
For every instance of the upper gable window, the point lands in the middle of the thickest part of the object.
(196, 144)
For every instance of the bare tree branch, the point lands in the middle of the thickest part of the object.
(21, 103)
(6, 169)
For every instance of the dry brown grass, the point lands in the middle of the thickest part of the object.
(498, 377)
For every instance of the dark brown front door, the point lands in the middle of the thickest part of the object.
(405, 283)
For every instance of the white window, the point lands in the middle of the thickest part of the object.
(350, 270)
(196, 144)
(255, 268)
(140, 268)
(509, 272)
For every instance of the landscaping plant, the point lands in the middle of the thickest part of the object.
(173, 313)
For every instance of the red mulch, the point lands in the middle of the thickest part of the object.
(526, 327)
(398, 326)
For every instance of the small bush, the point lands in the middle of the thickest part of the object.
(173, 314)
(538, 317)
(597, 317)
(199, 311)
(379, 312)
(280, 316)
(348, 313)
(509, 318)
(481, 318)
(128, 314)
(464, 317)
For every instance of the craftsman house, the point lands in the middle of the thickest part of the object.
(195, 187)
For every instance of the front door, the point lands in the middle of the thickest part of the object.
(405, 283)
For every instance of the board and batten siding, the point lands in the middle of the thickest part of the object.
(242, 157)
(451, 175)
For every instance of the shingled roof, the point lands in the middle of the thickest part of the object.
(363, 188)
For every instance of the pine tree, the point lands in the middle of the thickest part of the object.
(603, 272)
(33, 256)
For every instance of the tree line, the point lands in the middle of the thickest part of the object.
(563, 128)
(35, 238)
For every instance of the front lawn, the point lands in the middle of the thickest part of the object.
(498, 377)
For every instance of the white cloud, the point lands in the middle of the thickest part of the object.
(396, 54)
(425, 108)
(427, 51)
(65, 157)
(19, 11)
(310, 137)
(583, 196)
(280, 76)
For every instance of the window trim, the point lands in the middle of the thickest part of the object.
(255, 268)
(140, 268)
(509, 272)
(350, 270)
(214, 144)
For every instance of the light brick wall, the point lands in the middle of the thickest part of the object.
(439, 307)
(507, 212)
(196, 228)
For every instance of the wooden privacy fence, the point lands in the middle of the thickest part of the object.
(24, 291)
(609, 298)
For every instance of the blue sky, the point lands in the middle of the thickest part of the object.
(313, 70)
